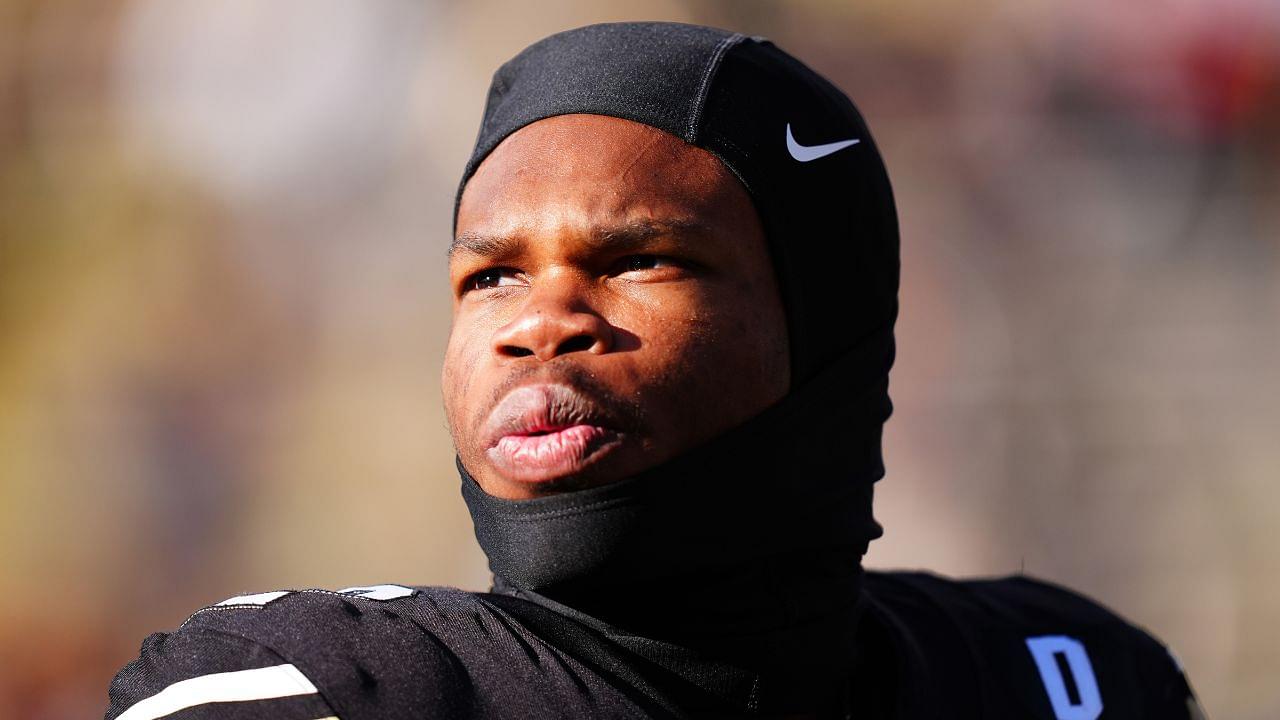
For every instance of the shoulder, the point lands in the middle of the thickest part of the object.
(1029, 646)
(383, 651)
(1016, 601)
(316, 621)
(306, 653)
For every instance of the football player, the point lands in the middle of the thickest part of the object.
(674, 276)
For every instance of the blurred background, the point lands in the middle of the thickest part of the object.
(223, 305)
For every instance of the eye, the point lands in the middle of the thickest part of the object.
(491, 278)
(634, 263)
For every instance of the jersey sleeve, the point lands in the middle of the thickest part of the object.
(1026, 648)
(198, 673)
(355, 654)
(1156, 679)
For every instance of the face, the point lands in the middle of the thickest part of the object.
(613, 306)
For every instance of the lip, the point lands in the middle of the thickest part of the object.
(540, 433)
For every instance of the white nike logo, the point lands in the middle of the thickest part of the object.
(805, 153)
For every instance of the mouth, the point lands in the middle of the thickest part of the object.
(541, 433)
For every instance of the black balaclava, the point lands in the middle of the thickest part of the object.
(747, 549)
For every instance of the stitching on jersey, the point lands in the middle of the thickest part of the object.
(320, 591)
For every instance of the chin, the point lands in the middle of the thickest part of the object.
(534, 483)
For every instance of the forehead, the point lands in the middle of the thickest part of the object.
(578, 171)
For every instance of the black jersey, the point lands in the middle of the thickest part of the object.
(928, 647)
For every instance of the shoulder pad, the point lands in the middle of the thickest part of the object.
(349, 650)
(391, 651)
(1030, 648)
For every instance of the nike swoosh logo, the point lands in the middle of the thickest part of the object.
(805, 153)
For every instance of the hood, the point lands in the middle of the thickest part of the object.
(749, 547)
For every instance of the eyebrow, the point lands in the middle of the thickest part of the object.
(632, 235)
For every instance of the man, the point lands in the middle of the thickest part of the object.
(674, 273)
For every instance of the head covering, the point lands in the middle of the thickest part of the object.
(830, 220)
(748, 547)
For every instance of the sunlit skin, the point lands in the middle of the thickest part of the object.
(613, 306)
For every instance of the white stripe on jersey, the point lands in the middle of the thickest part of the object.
(265, 683)
(255, 599)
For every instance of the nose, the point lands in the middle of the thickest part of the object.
(554, 322)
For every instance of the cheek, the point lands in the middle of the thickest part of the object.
(713, 358)
(705, 366)
(719, 333)
(457, 377)
(673, 330)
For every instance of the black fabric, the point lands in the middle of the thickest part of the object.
(960, 649)
(927, 647)
(169, 658)
(307, 707)
(776, 513)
